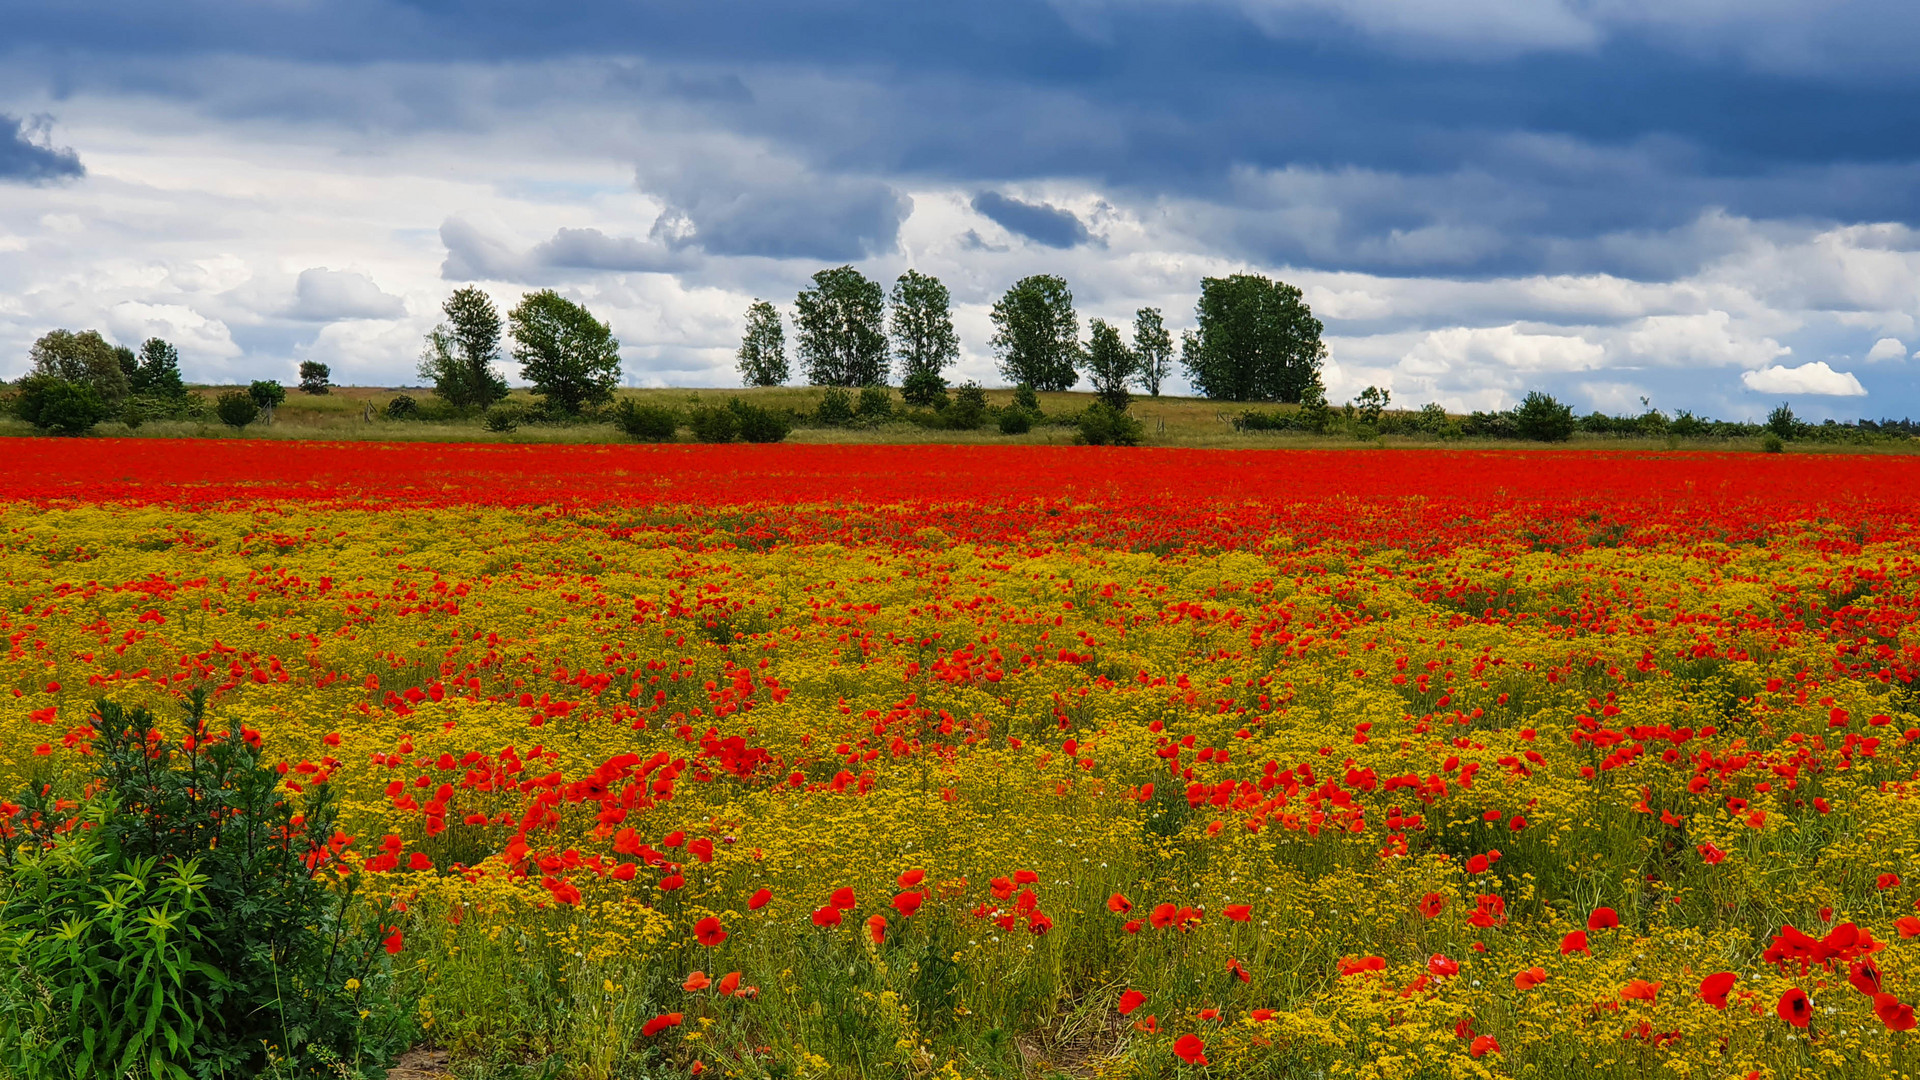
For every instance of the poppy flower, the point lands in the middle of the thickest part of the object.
(1164, 915)
(1362, 965)
(1234, 969)
(908, 903)
(759, 899)
(1887, 881)
(1133, 926)
(1443, 966)
(877, 928)
(909, 878)
(1484, 1045)
(709, 932)
(1715, 988)
(1118, 904)
(1530, 978)
(1640, 990)
(419, 861)
(1209, 1014)
(659, 1024)
(827, 916)
(1039, 923)
(1795, 1008)
(842, 898)
(1432, 904)
(1240, 912)
(393, 943)
(1129, 1001)
(727, 984)
(1864, 975)
(1190, 1049)
(671, 882)
(1259, 1016)
(696, 981)
(1908, 926)
(1897, 1015)
(1711, 855)
(1151, 1025)
(1604, 918)
(1025, 877)
(1575, 942)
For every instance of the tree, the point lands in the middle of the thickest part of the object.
(842, 329)
(1783, 423)
(1153, 347)
(83, 358)
(460, 353)
(1037, 334)
(923, 337)
(763, 350)
(1257, 341)
(1372, 402)
(314, 376)
(1541, 418)
(571, 358)
(158, 373)
(129, 364)
(56, 405)
(266, 393)
(1109, 363)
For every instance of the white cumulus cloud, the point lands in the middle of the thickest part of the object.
(1886, 349)
(1810, 378)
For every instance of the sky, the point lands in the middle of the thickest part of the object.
(1710, 205)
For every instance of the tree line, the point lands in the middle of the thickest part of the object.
(1255, 340)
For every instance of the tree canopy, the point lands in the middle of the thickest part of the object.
(84, 358)
(763, 349)
(1257, 341)
(460, 354)
(571, 358)
(842, 338)
(1037, 333)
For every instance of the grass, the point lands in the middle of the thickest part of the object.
(354, 413)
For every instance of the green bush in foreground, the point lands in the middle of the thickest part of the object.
(58, 406)
(646, 423)
(236, 409)
(185, 922)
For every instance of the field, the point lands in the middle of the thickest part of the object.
(1021, 761)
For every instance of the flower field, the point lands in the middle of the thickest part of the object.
(996, 762)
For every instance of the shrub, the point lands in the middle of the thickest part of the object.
(646, 423)
(713, 423)
(58, 406)
(403, 407)
(757, 423)
(1432, 418)
(1541, 418)
(875, 405)
(236, 409)
(926, 389)
(500, 418)
(219, 939)
(1103, 425)
(132, 414)
(1015, 421)
(1024, 396)
(835, 408)
(1254, 420)
(1686, 425)
(266, 393)
(1784, 424)
(1772, 443)
(968, 409)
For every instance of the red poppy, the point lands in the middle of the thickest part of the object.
(1864, 975)
(393, 943)
(1259, 1016)
(1530, 978)
(1118, 904)
(1151, 1025)
(1795, 1008)
(842, 898)
(728, 982)
(1025, 877)
(1443, 966)
(1133, 926)
(1887, 881)
(671, 882)
(1711, 855)
(709, 932)
(1432, 904)
(1240, 912)
(1715, 988)
(1575, 942)
(1893, 1013)
(659, 1024)
(827, 916)
(696, 981)
(1190, 1049)
(1908, 926)
(908, 879)
(1604, 918)
(877, 928)
(419, 861)
(759, 899)
(1483, 1045)
(1129, 1001)
(1362, 965)
(1640, 990)
(908, 903)
(1234, 969)
(1164, 915)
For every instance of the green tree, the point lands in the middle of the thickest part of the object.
(1109, 363)
(1037, 333)
(55, 405)
(1153, 346)
(460, 354)
(158, 373)
(1371, 403)
(571, 358)
(83, 358)
(314, 377)
(923, 339)
(266, 393)
(763, 349)
(842, 329)
(129, 364)
(1783, 423)
(1541, 418)
(1257, 341)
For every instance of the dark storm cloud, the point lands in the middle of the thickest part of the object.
(26, 157)
(1046, 225)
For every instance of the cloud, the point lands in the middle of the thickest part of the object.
(1810, 378)
(323, 295)
(1886, 349)
(731, 198)
(1048, 226)
(474, 254)
(1506, 347)
(591, 249)
(26, 156)
(197, 337)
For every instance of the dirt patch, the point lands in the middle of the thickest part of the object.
(421, 1065)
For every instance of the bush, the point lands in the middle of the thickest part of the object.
(835, 408)
(1015, 421)
(713, 423)
(646, 423)
(1772, 443)
(1686, 425)
(266, 393)
(925, 389)
(1103, 425)
(500, 418)
(1254, 420)
(314, 376)
(1024, 397)
(403, 407)
(132, 414)
(968, 409)
(757, 423)
(1784, 424)
(875, 405)
(219, 940)
(60, 407)
(236, 409)
(1542, 419)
